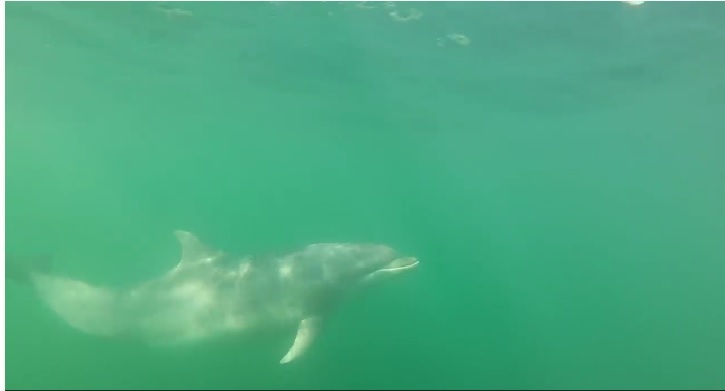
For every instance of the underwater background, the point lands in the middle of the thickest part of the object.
(557, 167)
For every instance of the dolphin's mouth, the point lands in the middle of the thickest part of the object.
(396, 266)
(401, 264)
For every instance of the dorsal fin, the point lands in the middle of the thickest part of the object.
(193, 251)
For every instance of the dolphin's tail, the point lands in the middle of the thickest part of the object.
(20, 268)
(86, 307)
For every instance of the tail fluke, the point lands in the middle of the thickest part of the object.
(19, 268)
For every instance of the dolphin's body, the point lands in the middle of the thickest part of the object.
(211, 293)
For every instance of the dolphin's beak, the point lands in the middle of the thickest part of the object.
(396, 266)
(401, 264)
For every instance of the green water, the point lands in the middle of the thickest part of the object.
(558, 168)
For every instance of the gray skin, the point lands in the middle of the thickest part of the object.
(211, 293)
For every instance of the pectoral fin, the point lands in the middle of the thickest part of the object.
(306, 333)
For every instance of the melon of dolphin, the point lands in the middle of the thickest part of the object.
(211, 293)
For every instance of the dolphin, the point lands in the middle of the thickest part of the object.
(211, 293)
